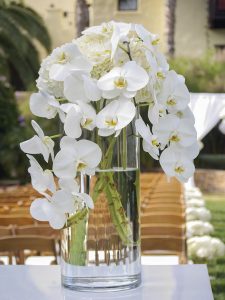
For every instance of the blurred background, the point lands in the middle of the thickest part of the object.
(192, 35)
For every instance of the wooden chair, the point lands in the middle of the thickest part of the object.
(162, 230)
(36, 229)
(162, 218)
(19, 219)
(18, 244)
(164, 245)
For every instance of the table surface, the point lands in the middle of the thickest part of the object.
(178, 282)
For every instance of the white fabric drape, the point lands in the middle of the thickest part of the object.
(208, 109)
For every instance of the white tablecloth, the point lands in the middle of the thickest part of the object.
(181, 282)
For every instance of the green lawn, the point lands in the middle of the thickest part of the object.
(216, 204)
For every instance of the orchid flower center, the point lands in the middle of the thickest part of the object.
(161, 112)
(155, 42)
(78, 204)
(180, 114)
(106, 28)
(112, 122)
(174, 137)
(86, 122)
(63, 58)
(46, 140)
(179, 169)
(81, 166)
(155, 143)
(120, 82)
(160, 75)
(171, 101)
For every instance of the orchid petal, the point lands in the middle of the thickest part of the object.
(37, 209)
(72, 124)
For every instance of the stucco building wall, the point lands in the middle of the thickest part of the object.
(59, 17)
(150, 13)
(193, 37)
(192, 34)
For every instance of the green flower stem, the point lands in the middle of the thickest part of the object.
(77, 254)
(124, 161)
(116, 209)
(104, 183)
(55, 136)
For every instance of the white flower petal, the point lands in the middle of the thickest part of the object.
(105, 132)
(143, 129)
(37, 209)
(39, 105)
(69, 184)
(37, 129)
(89, 153)
(63, 201)
(31, 146)
(64, 164)
(72, 124)
(91, 89)
(56, 218)
(87, 199)
(137, 78)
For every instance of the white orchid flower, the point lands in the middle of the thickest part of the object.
(150, 40)
(150, 142)
(78, 117)
(155, 112)
(125, 81)
(76, 156)
(80, 87)
(104, 29)
(71, 185)
(163, 66)
(176, 164)
(120, 32)
(41, 180)
(115, 31)
(176, 131)
(174, 93)
(115, 116)
(191, 151)
(66, 59)
(45, 106)
(186, 114)
(39, 144)
(53, 209)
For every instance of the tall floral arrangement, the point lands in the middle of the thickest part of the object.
(96, 84)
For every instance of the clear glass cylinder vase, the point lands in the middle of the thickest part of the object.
(101, 250)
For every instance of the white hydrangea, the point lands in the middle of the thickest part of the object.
(195, 213)
(198, 228)
(45, 84)
(205, 247)
(195, 202)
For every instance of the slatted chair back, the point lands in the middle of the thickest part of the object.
(163, 244)
(18, 244)
(19, 219)
(36, 229)
(162, 218)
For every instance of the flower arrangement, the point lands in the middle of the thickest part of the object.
(199, 244)
(205, 247)
(95, 85)
(198, 228)
(198, 213)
